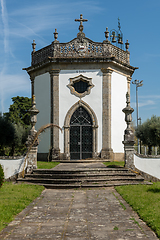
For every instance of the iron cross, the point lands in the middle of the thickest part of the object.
(81, 20)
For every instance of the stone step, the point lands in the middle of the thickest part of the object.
(80, 170)
(90, 185)
(84, 175)
(84, 180)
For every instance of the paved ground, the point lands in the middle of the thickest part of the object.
(78, 215)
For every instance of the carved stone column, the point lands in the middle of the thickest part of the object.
(106, 152)
(128, 135)
(32, 142)
(54, 79)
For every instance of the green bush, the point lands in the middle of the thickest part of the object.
(1, 175)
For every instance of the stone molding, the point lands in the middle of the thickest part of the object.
(77, 79)
(67, 127)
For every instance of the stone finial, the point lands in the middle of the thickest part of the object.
(34, 46)
(128, 112)
(127, 45)
(55, 35)
(106, 34)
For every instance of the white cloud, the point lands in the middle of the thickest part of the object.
(146, 103)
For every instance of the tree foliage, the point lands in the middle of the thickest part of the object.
(6, 133)
(18, 111)
(15, 126)
(149, 132)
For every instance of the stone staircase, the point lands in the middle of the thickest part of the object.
(82, 175)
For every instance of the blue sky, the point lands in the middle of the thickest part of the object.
(23, 21)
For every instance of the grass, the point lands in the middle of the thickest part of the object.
(14, 198)
(46, 165)
(145, 200)
(114, 164)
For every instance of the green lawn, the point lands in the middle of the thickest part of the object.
(145, 200)
(114, 164)
(46, 165)
(14, 198)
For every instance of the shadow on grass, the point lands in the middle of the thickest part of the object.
(154, 190)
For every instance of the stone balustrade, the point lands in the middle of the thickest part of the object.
(78, 49)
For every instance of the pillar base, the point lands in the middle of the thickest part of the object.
(54, 154)
(107, 153)
(32, 160)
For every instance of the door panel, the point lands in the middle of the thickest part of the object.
(81, 135)
(75, 142)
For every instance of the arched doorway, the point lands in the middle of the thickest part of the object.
(88, 115)
(81, 134)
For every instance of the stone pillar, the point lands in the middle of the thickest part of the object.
(106, 151)
(128, 136)
(54, 79)
(32, 142)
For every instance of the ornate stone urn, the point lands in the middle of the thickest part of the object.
(128, 135)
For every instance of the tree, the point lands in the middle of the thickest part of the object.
(149, 132)
(20, 138)
(6, 134)
(18, 111)
(15, 126)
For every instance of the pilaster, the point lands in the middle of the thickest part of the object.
(107, 151)
(54, 81)
(129, 84)
(32, 86)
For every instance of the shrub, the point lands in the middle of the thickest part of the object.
(1, 175)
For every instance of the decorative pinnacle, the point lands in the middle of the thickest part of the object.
(55, 35)
(81, 20)
(107, 34)
(127, 45)
(34, 46)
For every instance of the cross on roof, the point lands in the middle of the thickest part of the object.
(81, 20)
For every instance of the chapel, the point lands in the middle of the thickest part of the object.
(81, 86)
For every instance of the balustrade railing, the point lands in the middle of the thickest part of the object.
(77, 50)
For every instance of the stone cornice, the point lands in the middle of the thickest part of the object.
(81, 63)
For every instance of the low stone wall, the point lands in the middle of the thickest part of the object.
(148, 166)
(12, 166)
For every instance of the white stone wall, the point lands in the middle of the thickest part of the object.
(118, 102)
(12, 166)
(42, 93)
(148, 165)
(94, 99)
